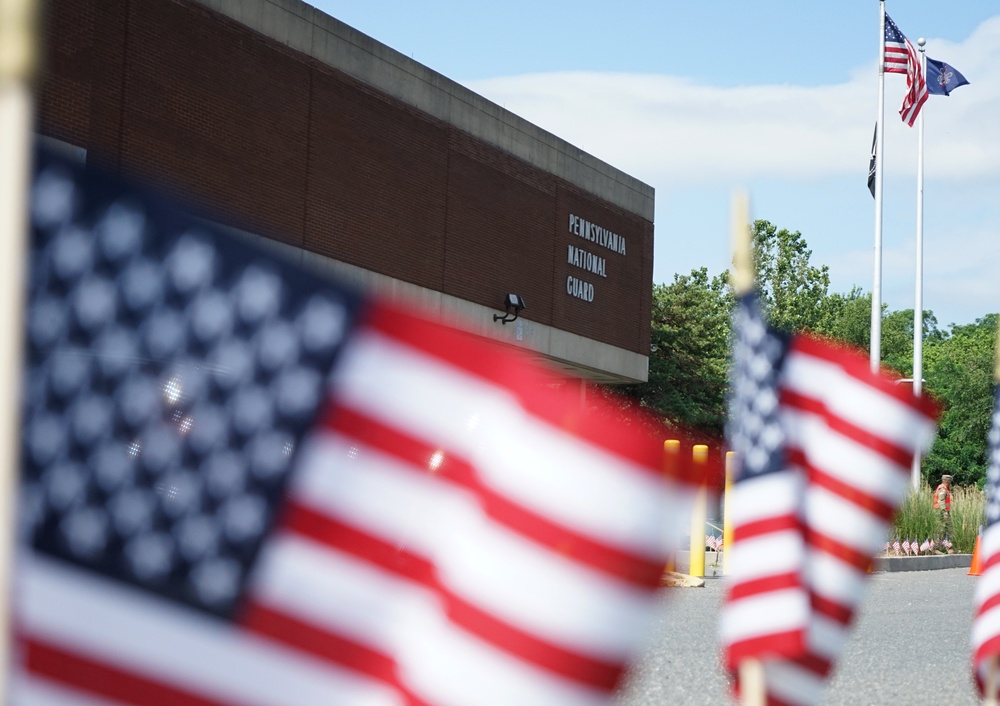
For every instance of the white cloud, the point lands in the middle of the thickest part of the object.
(806, 150)
(664, 129)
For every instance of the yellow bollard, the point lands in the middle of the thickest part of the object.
(671, 452)
(696, 555)
(727, 524)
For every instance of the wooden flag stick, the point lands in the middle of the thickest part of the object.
(753, 690)
(742, 276)
(17, 64)
(992, 682)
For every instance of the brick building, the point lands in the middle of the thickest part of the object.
(284, 124)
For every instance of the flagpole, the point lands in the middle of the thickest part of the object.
(17, 63)
(918, 299)
(876, 323)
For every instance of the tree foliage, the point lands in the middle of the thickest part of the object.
(959, 373)
(690, 353)
(791, 290)
(848, 318)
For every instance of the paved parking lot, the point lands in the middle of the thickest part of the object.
(910, 645)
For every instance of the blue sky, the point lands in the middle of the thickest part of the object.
(777, 97)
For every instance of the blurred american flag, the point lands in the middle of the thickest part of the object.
(824, 449)
(244, 484)
(986, 625)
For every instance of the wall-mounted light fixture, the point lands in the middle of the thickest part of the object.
(513, 304)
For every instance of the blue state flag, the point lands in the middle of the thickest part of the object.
(943, 78)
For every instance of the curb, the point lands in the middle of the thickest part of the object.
(921, 563)
(930, 562)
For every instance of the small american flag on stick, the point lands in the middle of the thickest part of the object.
(823, 448)
(244, 484)
(986, 624)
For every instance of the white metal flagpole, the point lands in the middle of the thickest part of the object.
(918, 298)
(17, 60)
(876, 325)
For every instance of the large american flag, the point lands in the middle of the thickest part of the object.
(824, 449)
(898, 50)
(986, 625)
(244, 484)
(901, 58)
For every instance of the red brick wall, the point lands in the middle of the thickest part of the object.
(63, 97)
(253, 134)
(377, 181)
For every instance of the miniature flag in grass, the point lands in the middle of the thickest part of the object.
(244, 484)
(895, 546)
(986, 625)
(824, 449)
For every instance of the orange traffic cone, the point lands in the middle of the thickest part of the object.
(974, 569)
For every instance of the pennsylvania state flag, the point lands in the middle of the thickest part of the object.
(943, 78)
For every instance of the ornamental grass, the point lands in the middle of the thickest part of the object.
(917, 518)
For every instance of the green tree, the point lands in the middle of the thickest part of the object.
(897, 341)
(847, 318)
(690, 353)
(791, 290)
(689, 356)
(691, 326)
(959, 373)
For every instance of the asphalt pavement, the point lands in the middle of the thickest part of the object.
(909, 645)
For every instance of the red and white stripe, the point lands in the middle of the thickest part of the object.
(897, 56)
(853, 435)
(902, 58)
(986, 625)
(455, 534)
(766, 611)
(916, 93)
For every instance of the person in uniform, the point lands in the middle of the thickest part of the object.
(942, 504)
